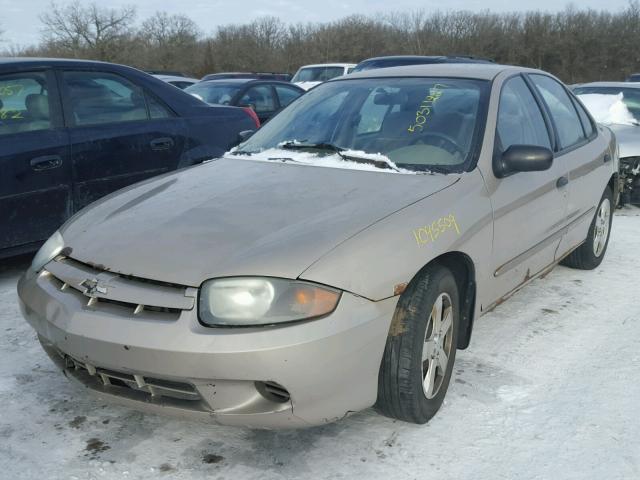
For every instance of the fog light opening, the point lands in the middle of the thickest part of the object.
(273, 392)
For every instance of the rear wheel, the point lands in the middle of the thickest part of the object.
(590, 254)
(421, 348)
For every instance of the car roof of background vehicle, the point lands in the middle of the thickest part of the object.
(610, 84)
(343, 65)
(175, 98)
(173, 78)
(251, 81)
(480, 71)
(52, 61)
(442, 58)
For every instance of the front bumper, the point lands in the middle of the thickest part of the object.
(326, 368)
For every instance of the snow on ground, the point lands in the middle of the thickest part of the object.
(547, 390)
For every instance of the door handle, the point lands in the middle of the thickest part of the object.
(562, 182)
(164, 143)
(46, 162)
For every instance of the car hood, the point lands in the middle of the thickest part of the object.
(628, 137)
(234, 217)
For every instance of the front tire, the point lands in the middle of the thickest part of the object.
(421, 348)
(591, 253)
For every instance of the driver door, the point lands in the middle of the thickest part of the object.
(529, 207)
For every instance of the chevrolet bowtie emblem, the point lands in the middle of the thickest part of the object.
(93, 287)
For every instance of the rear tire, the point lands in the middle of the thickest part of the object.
(421, 348)
(590, 254)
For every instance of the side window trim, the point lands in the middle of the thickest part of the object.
(150, 95)
(276, 98)
(558, 151)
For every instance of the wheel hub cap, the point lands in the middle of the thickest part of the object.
(601, 227)
(437, 345)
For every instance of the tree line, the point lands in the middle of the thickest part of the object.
(577, 45)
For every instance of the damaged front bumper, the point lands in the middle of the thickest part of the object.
(630, 181)
(163, 360)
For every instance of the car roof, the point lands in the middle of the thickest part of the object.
(424, 57)
(175, 78)
(481, 71)
(611, 84)
(242, 81)
(36, 61)
(343, 65)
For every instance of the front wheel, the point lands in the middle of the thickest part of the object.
(590, 254)
(421, 348)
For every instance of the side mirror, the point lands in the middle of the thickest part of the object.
(522, 158)
(245, 135)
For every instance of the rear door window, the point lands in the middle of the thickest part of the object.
(24, 103)
(99, 97)
(564, 115)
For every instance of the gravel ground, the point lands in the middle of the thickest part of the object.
(548, 389)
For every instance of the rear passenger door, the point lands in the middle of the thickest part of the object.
(35, 172)
(580, 153)
(119, 133)
(529, 207)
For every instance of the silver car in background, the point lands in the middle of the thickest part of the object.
(625, 125)
(338, 258)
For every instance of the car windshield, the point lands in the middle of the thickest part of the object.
(630, 98)
(419, 124)
(214, 93)
(317, 74)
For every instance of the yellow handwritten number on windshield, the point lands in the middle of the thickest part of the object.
(426, 107)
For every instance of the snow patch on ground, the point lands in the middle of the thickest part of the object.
(548, 389)
(608, 109)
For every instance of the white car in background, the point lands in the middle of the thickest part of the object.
(617, 105)
(309, 76)
(176, 81)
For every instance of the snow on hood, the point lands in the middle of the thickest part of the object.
(332, 160)
(608, 109)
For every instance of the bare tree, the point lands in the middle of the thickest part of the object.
(87, 30)
(169, 41)
(577, 45)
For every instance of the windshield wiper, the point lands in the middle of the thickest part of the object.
(339, 151)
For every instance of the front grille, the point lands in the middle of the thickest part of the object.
(125, 295)
(130, 385)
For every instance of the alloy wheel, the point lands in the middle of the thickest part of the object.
(437, 345)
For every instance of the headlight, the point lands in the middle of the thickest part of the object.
(49, 250)
(246, 301)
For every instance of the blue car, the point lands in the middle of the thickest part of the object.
(73, 131)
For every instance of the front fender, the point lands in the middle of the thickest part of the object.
(376, 262)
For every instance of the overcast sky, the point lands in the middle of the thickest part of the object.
(19, 18)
